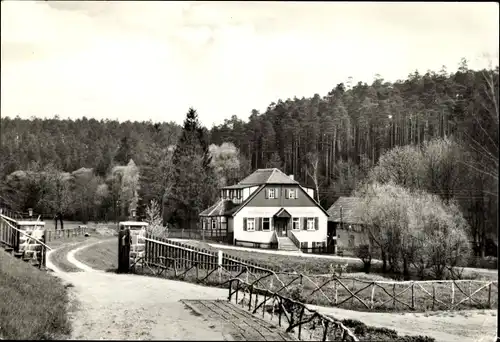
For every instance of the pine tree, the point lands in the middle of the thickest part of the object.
(194, 139)
(193, 179)
(123, 155)
(275, 161)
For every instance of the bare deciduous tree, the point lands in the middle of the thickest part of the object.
(312, 171)
(414, 228)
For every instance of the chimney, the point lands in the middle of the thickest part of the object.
(291, 176)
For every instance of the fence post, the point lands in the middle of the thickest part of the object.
(43, 261)
(336, 291)
(353, 290)
(17, 235)
(219, 263)
(413, 295)
(433, 295)
(489, 296)
(394, 295)
(452, 292)
(470, 293)
(373, 294)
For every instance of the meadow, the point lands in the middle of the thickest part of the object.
(34, 304)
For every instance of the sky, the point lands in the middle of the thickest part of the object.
(144, 60)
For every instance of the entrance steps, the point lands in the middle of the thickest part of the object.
(285, 244)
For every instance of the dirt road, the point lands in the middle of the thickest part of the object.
(125, 306)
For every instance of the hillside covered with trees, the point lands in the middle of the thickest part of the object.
(436, 131)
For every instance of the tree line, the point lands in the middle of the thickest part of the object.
(333, 143)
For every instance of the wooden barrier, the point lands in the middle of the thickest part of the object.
(299, 318)
(180, 261)
(219, 235)
(10, 239)
(52, 235)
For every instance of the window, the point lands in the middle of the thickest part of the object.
(214, 224)
(291, 193)
(250, 224)
(351, 241)
(271, 193)
(310, 223)
(296, 223)
(266, 224)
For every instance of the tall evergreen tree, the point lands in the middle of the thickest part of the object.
(193, 179)
(124, 154)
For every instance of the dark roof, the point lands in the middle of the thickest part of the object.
(267, 176)
(282, 213)
(219, 209)
(235, 186)
(227, 207)
(348, 205)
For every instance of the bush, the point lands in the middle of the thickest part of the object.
(367, 333)
(364, 253)
(487, 262)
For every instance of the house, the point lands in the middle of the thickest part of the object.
(269, 209)
(345, 224)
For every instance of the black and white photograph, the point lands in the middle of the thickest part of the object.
(249, 171)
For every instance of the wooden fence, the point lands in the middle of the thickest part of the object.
(367, 295)
(51, 235)
(164, 253)
(181, 261)
(219, 235)
(306, 323)
(10, 239)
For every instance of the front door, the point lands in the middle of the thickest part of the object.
(281, 227)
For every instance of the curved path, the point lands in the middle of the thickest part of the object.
(126, 306)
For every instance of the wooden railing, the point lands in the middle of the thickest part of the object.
(165, 253)
(10, 238)
(200, 234)
(181, 261)
(306, 323)
(51, 235)
(295, 240)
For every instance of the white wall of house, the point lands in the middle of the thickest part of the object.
(266, 237)
(310, 192)
(248, 191)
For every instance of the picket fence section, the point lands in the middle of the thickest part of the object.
(182, 261)
(165, 253)
(10, 240)
(51, 235)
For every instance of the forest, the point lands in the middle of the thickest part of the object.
(384, 131)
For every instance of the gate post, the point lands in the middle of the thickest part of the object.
(123, 251)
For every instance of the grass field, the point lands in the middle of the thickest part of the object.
(33, 304)
(103, 256)
(50, 224)
(63, 246)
